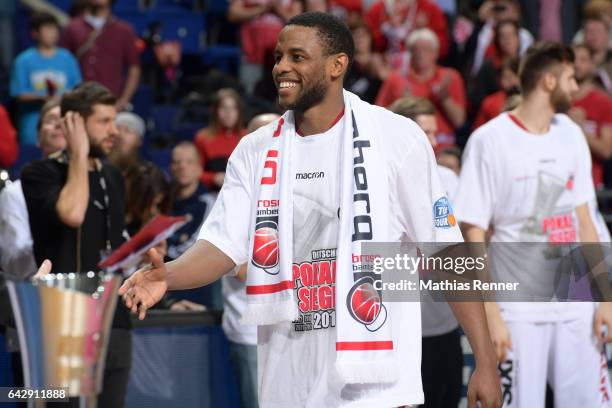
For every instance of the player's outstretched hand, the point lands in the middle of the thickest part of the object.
(146, 286)
(484, 387)
(603, 318)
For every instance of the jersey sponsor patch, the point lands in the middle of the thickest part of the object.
(443, 214)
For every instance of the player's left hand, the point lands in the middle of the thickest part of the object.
(484, 387)
(603, 317)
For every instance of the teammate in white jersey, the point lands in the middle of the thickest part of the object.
(296, 359)
(527, 174)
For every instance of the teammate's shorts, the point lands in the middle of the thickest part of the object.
(566, 355)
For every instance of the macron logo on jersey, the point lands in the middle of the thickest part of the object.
(308, 176)
(443, 214)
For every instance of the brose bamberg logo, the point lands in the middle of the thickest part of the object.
(265, 243)
(443, 214)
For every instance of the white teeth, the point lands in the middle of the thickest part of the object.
(287, 85)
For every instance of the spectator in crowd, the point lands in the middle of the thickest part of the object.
(442, 357)
(216, 142)
(39, 73)
(592, 111)
(189, 196)
(315, 5)
(392, 22)
(369, 68)
(349, 11)
(9, 148)
(493, 104)
(600, 9)
(147, 195)
(506, 45)
(426, 79)
(596, 37)
(552, 20)
(242, 338)
(422, 111)
(126, 150)
(75, 205)
(16, 252)
(490, 13)
(106, 49)
(260, 22)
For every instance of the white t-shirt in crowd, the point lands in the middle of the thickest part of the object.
(437, 316)
(16, 246)
(527, 187)
(296, 359)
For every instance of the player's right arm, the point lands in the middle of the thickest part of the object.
(222, 243)
(200, 265)
(500, 335)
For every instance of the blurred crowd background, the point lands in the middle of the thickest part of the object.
(189, 76)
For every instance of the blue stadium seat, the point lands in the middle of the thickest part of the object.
(187, 28)
(23, 35)
(174, 4)
(142, 101)
(127, 6)
(224, 57)
(138, 20)
(217, 7)
(187, 131)
(163, 117)
(62, 4)
(161, 158)
(27, 154)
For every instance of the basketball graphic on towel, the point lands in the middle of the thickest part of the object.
(265, 245)
(364, 301)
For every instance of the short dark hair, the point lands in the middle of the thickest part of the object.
(334, 34)
(143, 183)
(411, 107)
(82, 98)
(540, 58)
(41, 18)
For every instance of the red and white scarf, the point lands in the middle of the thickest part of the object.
(364, 343)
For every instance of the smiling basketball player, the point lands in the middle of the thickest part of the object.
(300, 197)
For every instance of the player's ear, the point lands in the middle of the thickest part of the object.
(549, 81)
(338, 65)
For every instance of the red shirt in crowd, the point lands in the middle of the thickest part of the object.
(598, 108)
(258, 35)
(491, 106)
(396, 86)
(108, 58)
(215, 151)
(428, 14)
(9, 149)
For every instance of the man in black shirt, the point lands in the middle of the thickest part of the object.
(76, 208)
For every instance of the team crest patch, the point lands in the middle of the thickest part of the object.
(443, 214)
